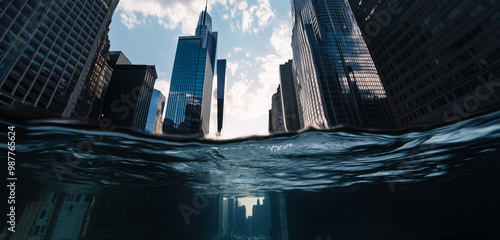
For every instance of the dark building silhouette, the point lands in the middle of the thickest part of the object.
(270, 124)
(189, 99)
(438, 60)
(91, 100)
(233, 218)
(276, 123)
(289, 97)
(260, 222)
(221, 83)
(129, 93)
(336, 80)
(49, 53)
(279, 222)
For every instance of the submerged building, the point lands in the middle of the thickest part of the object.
(189, 99)
(335, 78)
(438, 60)
(49, 52)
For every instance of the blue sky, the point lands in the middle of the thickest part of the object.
(254, 37)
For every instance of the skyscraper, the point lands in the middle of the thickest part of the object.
(336, 80)
(438, 60)
(91, 99)
(154, 123)
(289, 97)
(189, 99)
(276, 123)
(129, 93)
(47, 50)
(221, 82)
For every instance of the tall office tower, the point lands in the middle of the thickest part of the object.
(91, 99)
(276, 123)
(189, 99)
(129, 93)
(438, 60)
(47, 49)
(289, 97)
(221, 83)
(270, 124)
(336, 80)
(155, 114)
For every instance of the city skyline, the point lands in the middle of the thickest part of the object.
(262, 42)
(336, 81)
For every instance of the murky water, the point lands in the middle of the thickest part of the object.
(78, 183)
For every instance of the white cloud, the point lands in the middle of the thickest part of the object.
(163, 85)
(130, 20)
(249, 98)
(254, 17)
(281, 39)
(237, 49)
(264, 12)
(232, 66)
(243, 5)
(171, 14)
(179, 14)
(246, 24)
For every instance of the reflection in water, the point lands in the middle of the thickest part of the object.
(435, 184)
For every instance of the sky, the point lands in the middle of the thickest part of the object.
(253, 35)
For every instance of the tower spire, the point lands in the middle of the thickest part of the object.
(205, 14)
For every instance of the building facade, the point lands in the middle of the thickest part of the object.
(154, 123)
(47, 51)
(221, 84)
(91, 99)
(189, 99)
(438, 60)
(336, 80)
(276, 121)
(289, 97)
(129, 93)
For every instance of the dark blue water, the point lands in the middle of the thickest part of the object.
(77, 183)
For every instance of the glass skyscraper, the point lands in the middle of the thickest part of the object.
(337, 83)
(189, 99)
(221, 83)
(47, 50)
(438, 60)
(154, 123)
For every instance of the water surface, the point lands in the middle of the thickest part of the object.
(78, 183)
